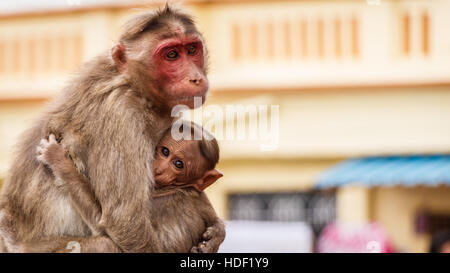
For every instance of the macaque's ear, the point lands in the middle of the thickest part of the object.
(208, 178)
(119, 56)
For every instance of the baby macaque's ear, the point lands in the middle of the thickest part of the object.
(208, 178)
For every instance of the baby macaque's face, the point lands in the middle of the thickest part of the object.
(178, 162)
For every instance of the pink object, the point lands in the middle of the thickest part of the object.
(354, 238)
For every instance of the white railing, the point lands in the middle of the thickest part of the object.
(259, 44)
(329, 43)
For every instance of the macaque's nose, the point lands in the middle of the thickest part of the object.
(196, 81)
(159, 169)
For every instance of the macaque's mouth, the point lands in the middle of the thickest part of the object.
(158, 183)
(161, 185)
(159, 180)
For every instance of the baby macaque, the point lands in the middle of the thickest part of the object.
(186, 163)
(181, 211)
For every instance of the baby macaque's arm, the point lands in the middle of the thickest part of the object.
(215, 233)
(68, 179)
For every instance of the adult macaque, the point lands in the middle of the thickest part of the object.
(182, 170)
(109, 120)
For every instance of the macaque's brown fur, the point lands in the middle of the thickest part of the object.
(178, 228)
(109, 119)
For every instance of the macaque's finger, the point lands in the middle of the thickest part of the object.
(52, 138)
(208, 234)
(40, 158)
(203, 247)
(194, 249)
(210, 246)
(43, 142)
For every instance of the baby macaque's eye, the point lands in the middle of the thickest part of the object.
(165, 151)
(178, 163)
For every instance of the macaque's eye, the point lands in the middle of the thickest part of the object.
(165, 151)
(192, 49)
(172, 55)
(178, 164)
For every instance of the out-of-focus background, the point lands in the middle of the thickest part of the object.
(363, 89)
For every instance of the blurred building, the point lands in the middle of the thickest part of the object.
(353, 80)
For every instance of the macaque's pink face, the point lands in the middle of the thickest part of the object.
(180, 70)
(178, 162)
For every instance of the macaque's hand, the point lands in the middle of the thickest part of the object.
(213, 237)
(50, 152)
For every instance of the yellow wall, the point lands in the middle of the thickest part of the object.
(15, 117)
(264, 175)
(395, 208)
(346, 122)
(353, 204)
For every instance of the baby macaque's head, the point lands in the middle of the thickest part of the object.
(187, 162)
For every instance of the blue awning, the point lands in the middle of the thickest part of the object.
(389, 171)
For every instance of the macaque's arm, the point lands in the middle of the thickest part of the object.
(215, 233)
(68, 179)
